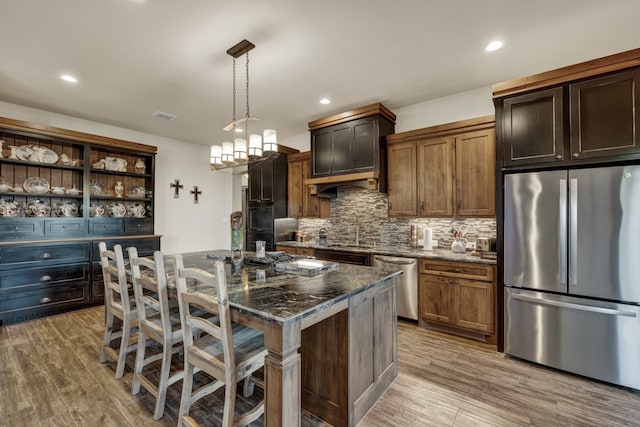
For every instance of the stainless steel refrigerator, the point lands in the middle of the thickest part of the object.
(572, 271)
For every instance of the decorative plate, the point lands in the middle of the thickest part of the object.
(36, 153)
(137, 210)
(38, 208)
(9, 208)
(66, 208)
(136, 192)
(117, 210)
(36, 185)
(97, 189)
(116, 164)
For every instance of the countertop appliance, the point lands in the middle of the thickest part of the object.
(571, 273)
(407, 295)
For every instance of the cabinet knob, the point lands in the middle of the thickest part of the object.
(45, 300)
(65, 227)
(576, 155)
(390, 206)
(421, 205)
(138, 225)
(45, 278)
(559, 157)
(45, 255)
(451, 281)
(17, 228)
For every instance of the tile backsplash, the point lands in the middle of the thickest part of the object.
(369, 210)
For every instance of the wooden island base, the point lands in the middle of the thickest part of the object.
(350, 358)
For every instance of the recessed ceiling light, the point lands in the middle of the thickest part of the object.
(164, 115)
(139, 1)
(494, 45)
(325, 101)
(68, 78)
(239, 130)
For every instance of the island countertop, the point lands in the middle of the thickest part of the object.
(281, 297)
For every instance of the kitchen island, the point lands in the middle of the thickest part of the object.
(331, 338)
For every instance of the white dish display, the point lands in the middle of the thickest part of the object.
(96, 210)
(73, 191)
(66, 208)
(57, 190)
(97, 189)
(36, 185)
(38, 208)
(4, 188)
(18, 188)
(114, 164)
(36, 153)
(9, 208)
(117, 210)
(137, 193)
(137, 210)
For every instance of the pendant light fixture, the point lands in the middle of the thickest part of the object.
(238, 155)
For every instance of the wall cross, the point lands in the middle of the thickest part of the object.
(177, 187)
(195, 193)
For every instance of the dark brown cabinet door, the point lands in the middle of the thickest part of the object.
(365, 145)
(533, 128)
(322, 147)
(342, 136)
(261, 183)
(604, 115)
(296, 187)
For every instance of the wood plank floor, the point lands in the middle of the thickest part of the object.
(50, 376)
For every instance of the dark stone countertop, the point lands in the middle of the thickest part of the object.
(281, 297)
(443, 254)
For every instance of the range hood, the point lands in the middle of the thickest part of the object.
(350, 148)
(328, 186)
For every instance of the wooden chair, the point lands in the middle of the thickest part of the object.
(117, 304)
(156, 321)
(229, 352)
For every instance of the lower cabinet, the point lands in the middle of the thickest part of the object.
(296, 251)
(47, 277)
(458, 297)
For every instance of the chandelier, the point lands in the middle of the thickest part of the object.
(236, 154)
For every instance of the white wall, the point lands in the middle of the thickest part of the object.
(452, 108)
(184, 225)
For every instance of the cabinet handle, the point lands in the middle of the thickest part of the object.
(65, 227)
(576, 155)
(422, 206)
(559, 157)
(17, 228)
(390, 206)
(451, 281)
(138, 225)
(45, 300)
(45, 278)
(45, 255)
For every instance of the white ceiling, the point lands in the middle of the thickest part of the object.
(133, 59)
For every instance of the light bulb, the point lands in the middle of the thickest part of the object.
(270, 141)
(255, 146)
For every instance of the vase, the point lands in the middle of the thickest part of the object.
(459, 245)
(119, 189)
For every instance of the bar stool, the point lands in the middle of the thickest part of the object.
(227, 351)
(156, 321)
(117, 304)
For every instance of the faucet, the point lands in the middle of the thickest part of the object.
(354, 215)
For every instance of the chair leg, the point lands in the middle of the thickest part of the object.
(167, 351)
(124, 345)
(137, 370)
(106, 341)
(248, 387)
(229, 404)
(187, 384)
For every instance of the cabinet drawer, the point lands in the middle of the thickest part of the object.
(457, 269)
(31, 255)
(145, 246)
(106, 226)
(31, 277)
(344, 257)
(138, 226)
(65, 228)
(48, 298)
(306, 251)
(20, 229)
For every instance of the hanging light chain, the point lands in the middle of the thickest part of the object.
(247, 71)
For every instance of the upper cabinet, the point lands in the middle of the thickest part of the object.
(443, 171)
(301, 203)
(58, 184)
(578, 114)
(351, 146)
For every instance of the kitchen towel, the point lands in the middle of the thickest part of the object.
(428, 239)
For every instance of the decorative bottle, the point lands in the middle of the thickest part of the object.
(119, 189)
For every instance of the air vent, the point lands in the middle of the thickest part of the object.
(163, 115)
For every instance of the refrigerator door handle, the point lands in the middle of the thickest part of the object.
(573, 306)
(562, 233)
(573, 232)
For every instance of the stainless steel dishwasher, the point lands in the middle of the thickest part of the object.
(407, 283)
